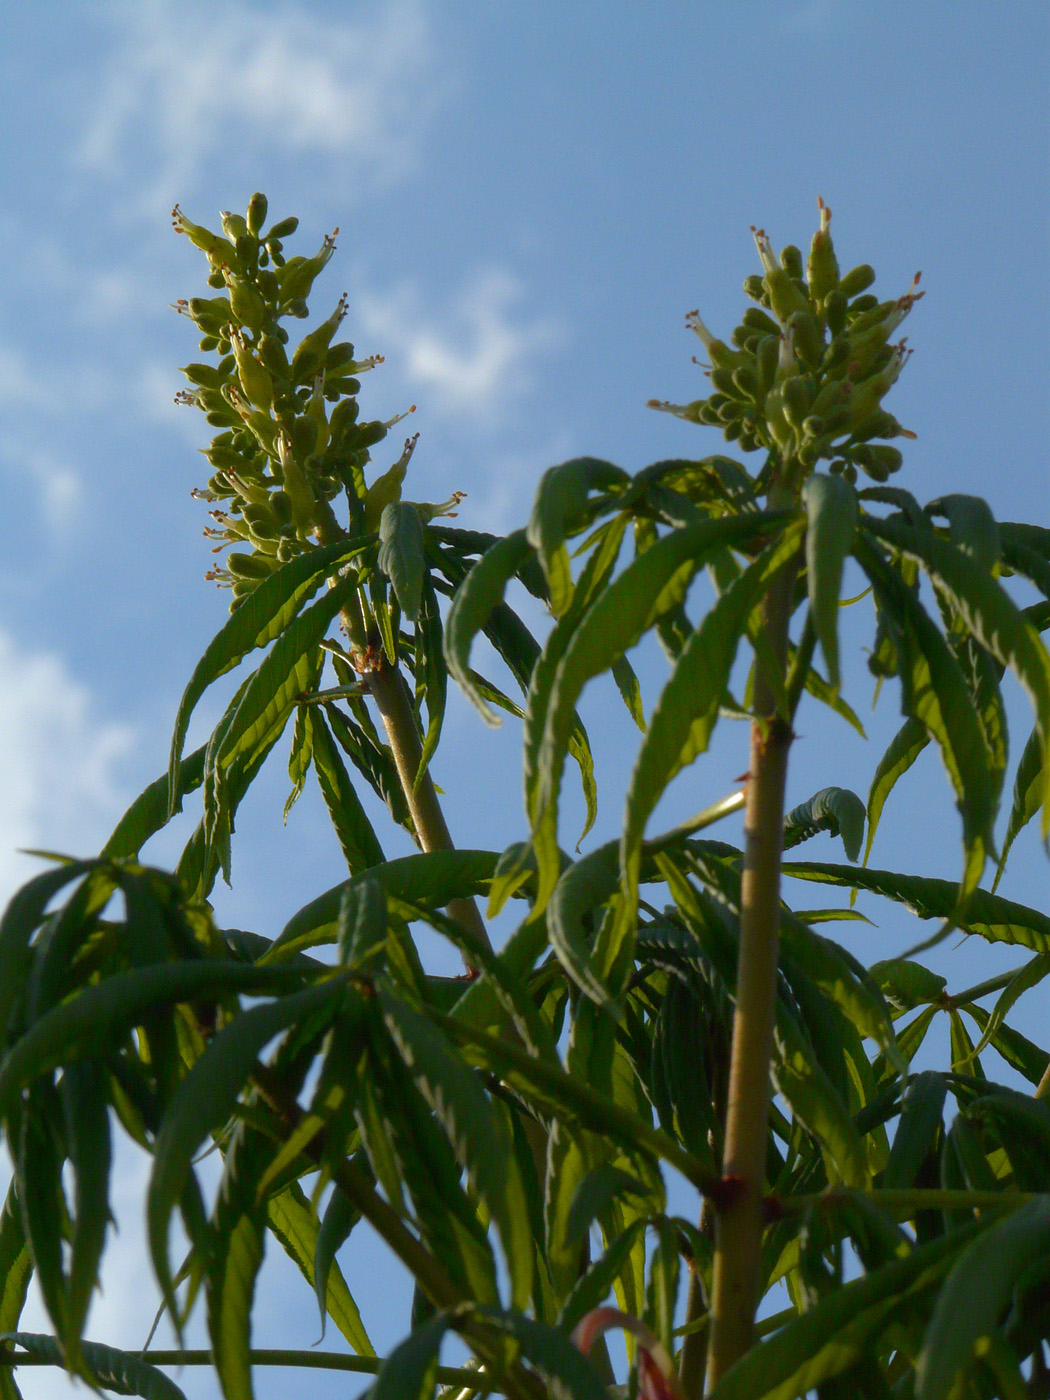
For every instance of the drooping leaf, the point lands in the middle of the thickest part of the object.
(150, 810)
(237, 1242)
(431, 878)
(410, 1371)
(831, 515)
(549, 1351)
(595, 1283)
(86, 1113)
(997, 919)
(402, 555)
(904, 748)
(561, 500)
(1029, 785)
(833, 809)
(976, 1292)
(687, 709)
(584, 887)
(293, 1220)
(16, 1270)
(922, 1107)
(989, 613)
(123, 1372)
(829, 1338)
(435, 676)
(1030, 975)
(261, 618)
(357, 838)
(935, 692)
(475, 1130)
(472, 605)
(205, 1099)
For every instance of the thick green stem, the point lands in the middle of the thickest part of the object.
(739, 1205)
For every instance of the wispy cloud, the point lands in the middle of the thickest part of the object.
(471, 359)
(190, 83)
(59, 760)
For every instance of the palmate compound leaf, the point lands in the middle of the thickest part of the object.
(934, 691)
(831, 1337)
(687, 709)
(651, 584)
(474, 1128)
(205, 1099)
(122, 1372)
(261, 618)
(988, 612)
(976, 1292)
(831, 516)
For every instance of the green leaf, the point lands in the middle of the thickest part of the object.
(989, 613)
(339, 1219)
(814, 1100)
(1030, 975)
(204, 1101)
(123, 1372)
(907, 984)
(833, 809)
(237, 1242)
(300, 756)
(16, 1270)
(549, 1351)
(1029, 785)
(596, 1283)
(283, 676)
(151, 809)
(904, 748)
(687, 709)
(976, 1292)
(972, 527)
(997, 919)
(431, 879)
(264, 615)
(99, 1016)
(584, 887)
(831, 515)
(935, 692)
(401, 554)
(42, 1198)
(477, 1133)
(21, 919)
(410, 1371)
(434, 678)
(357, 838)
(831, 1337)
(922, 1110)
(472, 605)
(86, 1113)
(561, 501)
(293, 1220)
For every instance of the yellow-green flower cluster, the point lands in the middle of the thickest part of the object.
(289, 438)
(805, 372)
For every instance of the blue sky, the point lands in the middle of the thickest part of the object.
(530, 198)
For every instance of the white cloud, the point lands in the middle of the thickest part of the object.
(189, 83)
(59, 763)
(471, 361)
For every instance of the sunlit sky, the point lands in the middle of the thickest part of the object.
(530, 197)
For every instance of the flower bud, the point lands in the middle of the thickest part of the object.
(766, 360)
(284, 229)
(247, 304)
(835, 307)
(272, 354)
(233, 225)
(209, 314)
(257, 207)
(249, 566)
(297, 486)
(756, 319)
(755, 288)
(857, 280)
(791, 262)
(206, 375)
(256, 381)
(822, 266)
(315, 411)
(807, 337)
